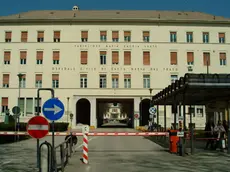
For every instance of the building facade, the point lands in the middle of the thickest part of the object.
(91, 55)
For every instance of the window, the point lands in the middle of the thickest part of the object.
(115, 36)
(127, 36)
(29, 106)
(127, 81)
(84, 36)
(6, 79)
(191, 110)
(4, 104)
(222, 38)
(173, 58)
(146, 81)
(200, 111)
(205, 37)
(127, 58)
(146, 36)
(8, 36)
(173, 78)
(103, 81)
(38, 80)
(146, 58)
(23, 55)
(223, 59)
(206, 59)
(115, 57)
(103, 36)
(115, 80)
(83, 80)
(40, 36)
(190, 58)
(39, 58)
(189, 36)
(23, 81)
(36, 110)
(102, 57)
(55, 80)
(56, 57)
(7, 55)
(57, 36)
(173, 37)
(84, 57)
(21, 104)
(24, 35)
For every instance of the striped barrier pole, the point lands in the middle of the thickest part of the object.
(85, 131)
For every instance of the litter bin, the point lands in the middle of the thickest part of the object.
(173, 140)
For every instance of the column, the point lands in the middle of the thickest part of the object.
(74, 110)
(136, 109)
(93, 112)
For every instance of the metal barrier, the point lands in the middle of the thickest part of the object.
(45, 157)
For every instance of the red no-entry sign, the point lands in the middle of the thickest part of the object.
(38, 127)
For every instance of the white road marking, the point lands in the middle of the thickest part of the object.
(6, 162)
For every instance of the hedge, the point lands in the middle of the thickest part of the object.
(58, 127)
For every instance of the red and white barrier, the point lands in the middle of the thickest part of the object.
(85, 148)
(93, 133)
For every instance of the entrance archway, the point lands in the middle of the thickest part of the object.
(144, 111)
(83, 111)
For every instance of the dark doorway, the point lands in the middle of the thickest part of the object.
(144, 112)
(83, 111)
(115, 113)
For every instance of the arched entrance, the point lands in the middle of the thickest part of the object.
(83, 111)
(144, 111)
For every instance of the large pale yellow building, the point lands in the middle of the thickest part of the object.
(93, 57)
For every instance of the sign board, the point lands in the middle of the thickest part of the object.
(136, 115)
(71, 116)
(180, 134)
(85, 129)
(38, 127)
(16, 110)
(53, 109)
(152, 110)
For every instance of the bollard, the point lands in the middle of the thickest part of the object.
(45, 155)
(85, 148)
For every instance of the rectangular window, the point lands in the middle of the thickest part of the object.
(127, 36)
(200, 111)
(222, 38)
(40, 36)
(127, 58)
(29, 106)
(57, 36)
(102, 57)
(173, 78)
(55, 80)
(83, 80)
(84, 36)
(39, 58)
(7, 55)
(127, 80)
(115, 80)
(23, 81)
(23, 55)
(146, 81)
(38, 80)
(189, 36)
(173, 58)
(206, 59)
(146, 36)
(115, 57)
(56, 57)
(6, 81)
(115, 36)
(21, 104)
(190, 58)
(146, 58)
(223, 59)
(103, 36)
(36, 110)
(173, 37)
(84, 57)
(4, 104)
(8, 36)
(205, 37)
(24, 36)
(103, 81)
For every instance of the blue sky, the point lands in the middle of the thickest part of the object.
(215, 7)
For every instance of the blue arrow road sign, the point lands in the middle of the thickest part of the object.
(53, 109)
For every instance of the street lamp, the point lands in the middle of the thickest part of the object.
(67, 109)
(150, 104)
(19, 96)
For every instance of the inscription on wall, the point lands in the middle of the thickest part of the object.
(115, 46)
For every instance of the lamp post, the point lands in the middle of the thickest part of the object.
(67, 109)
(150, 104)
(19, 96)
